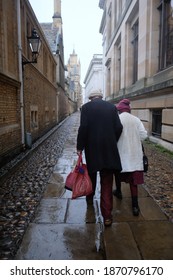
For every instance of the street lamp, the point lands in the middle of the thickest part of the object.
(35, 44)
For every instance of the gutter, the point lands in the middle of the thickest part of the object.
(20, 73)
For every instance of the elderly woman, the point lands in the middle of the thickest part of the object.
(131, 154)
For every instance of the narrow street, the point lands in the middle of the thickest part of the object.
(39, 220)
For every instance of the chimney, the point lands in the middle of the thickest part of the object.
(57, 20)
(57, 8)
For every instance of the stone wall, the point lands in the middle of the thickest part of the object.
(126, 24)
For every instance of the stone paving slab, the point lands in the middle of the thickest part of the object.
(126, 190)
(148, 240)
(122, 211)
(79, 212)
(55, 186)
(61, 242)
(119, 243)
(150, 210)
(70, 211)
(154, 239)
(51, 211)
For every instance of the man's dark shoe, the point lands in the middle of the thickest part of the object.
(135, 211)
(108, 222)
(118, 194)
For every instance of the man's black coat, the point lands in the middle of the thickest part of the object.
(99, 131)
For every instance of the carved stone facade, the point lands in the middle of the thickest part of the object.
(138, 61)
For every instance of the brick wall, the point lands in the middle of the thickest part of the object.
(8, 39)
(10, 130)
(41, 93)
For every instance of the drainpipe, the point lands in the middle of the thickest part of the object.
(20, 73)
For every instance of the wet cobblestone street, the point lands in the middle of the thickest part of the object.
(22, 191)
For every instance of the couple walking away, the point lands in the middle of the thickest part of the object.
(112, 146)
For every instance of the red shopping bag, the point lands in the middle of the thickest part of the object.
(82, 185)
(72, 176)
(78, 181)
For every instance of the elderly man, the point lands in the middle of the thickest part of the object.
(99, 131)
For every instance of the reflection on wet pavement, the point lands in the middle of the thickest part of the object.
(64, 229)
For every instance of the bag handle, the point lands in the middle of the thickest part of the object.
(79, 161)
(143, 149)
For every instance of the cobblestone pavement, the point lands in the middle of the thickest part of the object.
(20, 194)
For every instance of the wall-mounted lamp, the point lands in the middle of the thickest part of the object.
(35, 44)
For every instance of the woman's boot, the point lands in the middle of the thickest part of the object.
(135, 207)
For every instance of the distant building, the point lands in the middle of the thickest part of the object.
(94, 76)
(73, 77)
(138, 61)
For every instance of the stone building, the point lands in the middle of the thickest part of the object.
(73, 77)
(94, 76)
(54, 35)
(138, 61)
(29, 92)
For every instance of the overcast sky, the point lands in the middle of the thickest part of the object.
(81, 23)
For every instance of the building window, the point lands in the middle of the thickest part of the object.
(135, 29)
(166, 34)
(54, 115)
(156, 122)
(47, 115)
(119, 66)
(108, 77)
(34, 119)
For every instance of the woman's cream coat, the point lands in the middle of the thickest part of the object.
(129, 144)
